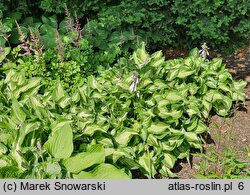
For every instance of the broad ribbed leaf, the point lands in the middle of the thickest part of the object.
(81, 161)
(60, 144)
(58, 92)
(103, 171)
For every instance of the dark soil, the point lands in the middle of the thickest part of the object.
(234, 131)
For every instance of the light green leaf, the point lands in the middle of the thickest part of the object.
(91, 129)
(58, 92)
(17, 114)
(157, 54)
(157, 61)
(94, 155)
(173, 96)
(239, 85)
(60, 144)
(184, 72)
(190, 137)
(169, 160)
(53, 168)
(146, 162)
(172, 74)
(64, 102)
(201, 127)
(157, 128)
(103, 171)
(33, 82)
(124, 137)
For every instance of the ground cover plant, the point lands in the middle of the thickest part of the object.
(143, 114)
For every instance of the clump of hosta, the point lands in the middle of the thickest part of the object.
(155, 113)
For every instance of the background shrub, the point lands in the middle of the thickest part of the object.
(223, 24)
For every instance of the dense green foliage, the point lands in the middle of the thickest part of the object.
(143, 113)
(222, 24)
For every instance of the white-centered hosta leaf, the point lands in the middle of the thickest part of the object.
(17, 114)
(169, 160)
(158, 128)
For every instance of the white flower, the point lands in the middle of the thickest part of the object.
(135, 81)
(204, 51)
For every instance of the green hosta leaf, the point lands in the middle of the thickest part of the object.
(64, 102)
(92, 82)
(60, 144)
(32, 126)
(216, 63)
(183, 151)
(212, 84)
(33, 82)
(152, 141)
(91, 129)
(193, 108)
(53, 169)
(94, 155)
(38, 107)
(238, 96)
(176, 140)
(124, 137)
(103, 171)
(59, 124)
(184, 72)
(58, 92)
(160, 84)
(224, 88)
(17, 114)
(165, 113)
(145, 82)
(169, 160)
(157, 62)
(191, 125)
(224, 76)
(239, 85)
(146, 162)
(190, 137)
(167, 146)
(194, 52)
(5, 135)
(172, 74)
(221, 103)
(201, 127)
(158, 128)
(3, 149)
(157, 54)
(207, 106)
(173, 96)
